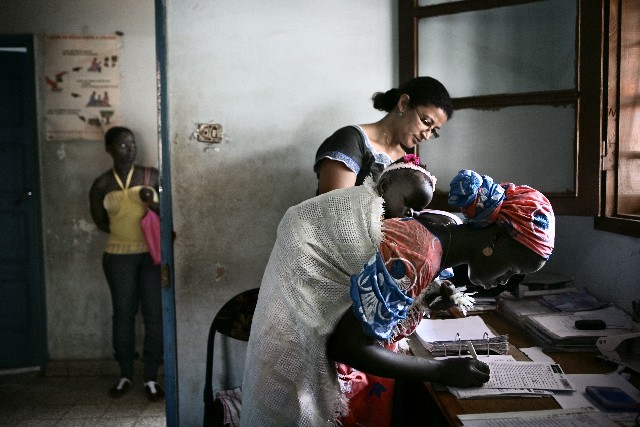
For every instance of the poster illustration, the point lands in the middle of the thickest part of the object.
(82, 76)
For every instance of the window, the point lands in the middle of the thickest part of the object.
(525, 77)
(620, 212)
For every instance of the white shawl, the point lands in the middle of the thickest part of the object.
(321, 242)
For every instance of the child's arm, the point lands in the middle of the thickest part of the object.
(348, 344)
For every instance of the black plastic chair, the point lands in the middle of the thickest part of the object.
(234, 321)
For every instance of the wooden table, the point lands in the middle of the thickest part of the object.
(571, 363)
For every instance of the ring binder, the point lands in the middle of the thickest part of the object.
(494, 345)
(434, 336)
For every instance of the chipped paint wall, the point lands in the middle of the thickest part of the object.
(77, 296)
(280, 76)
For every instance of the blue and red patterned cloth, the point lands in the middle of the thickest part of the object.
(525, 212)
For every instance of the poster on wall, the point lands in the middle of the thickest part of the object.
(82, 76)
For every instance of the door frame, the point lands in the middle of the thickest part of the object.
(166, 222)
(36, 245)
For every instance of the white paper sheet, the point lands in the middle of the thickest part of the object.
(562, 325)
(469, 328)
(583, 417)
(580, 399)
(536, 354)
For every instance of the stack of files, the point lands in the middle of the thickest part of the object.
(543, 282)
(483, 304)
(579, 300)
(449, 337)
(558, 329)
(551, 318)
(519, 310)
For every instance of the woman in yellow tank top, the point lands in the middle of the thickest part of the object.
(119, 198)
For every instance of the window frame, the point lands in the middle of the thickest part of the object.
(587, 98)
(609, 218)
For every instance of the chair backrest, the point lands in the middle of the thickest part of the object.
(232, 320)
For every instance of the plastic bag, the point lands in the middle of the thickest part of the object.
(150, 224)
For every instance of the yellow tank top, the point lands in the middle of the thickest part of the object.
(125, 209)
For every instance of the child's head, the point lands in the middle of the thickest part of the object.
(406, 186)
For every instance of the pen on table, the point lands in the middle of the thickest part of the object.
(472, 351)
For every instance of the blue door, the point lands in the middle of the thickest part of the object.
(22, 305)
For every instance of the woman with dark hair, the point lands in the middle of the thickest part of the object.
(415, 111)
(119, 198)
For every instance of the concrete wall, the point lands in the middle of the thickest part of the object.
(606, 264)
(279, 76)
(78, 299)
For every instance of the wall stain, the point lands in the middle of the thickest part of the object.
(62, 153)
(83, 231)
(220, 272)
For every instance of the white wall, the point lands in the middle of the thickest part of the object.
(606, 264)
(78, 299)
(280, 76)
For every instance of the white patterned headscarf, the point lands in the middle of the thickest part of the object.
(412, 162)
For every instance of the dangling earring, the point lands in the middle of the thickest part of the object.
(488, 250)
(400, 114)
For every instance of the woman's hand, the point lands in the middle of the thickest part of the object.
(445, 292)
(463, 372)
(146, 195)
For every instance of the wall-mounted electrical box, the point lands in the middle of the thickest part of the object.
(209, 132)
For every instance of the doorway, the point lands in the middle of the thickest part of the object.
(22, 299)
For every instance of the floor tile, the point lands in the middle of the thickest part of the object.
(71, 396)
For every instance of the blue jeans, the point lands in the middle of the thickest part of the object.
(134, 282)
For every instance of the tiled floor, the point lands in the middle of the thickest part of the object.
(74, 396)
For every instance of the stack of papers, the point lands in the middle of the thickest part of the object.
(572, 301)
(543, 282)
(581, 399)
(588, 416)
(519, 310)
(482, 303)
(551, 319)
(558, 329)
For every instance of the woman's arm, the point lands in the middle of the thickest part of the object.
(348, 344)
(96, 198)
(146, 195)
(338, 159)
(333, 174)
